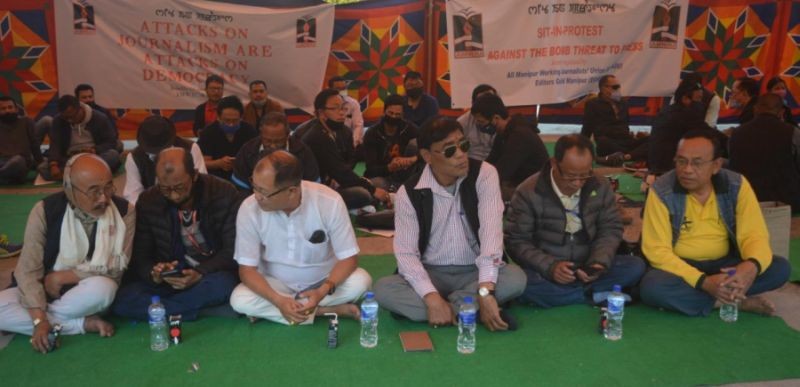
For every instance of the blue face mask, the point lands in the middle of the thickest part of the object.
(230, 129)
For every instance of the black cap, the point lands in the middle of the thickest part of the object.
(686, 88)
(155, 134)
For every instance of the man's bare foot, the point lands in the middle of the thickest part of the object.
(758, 304)
(253, 320)
(96, 324)
(344, 310)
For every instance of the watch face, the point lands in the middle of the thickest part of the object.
(483, 292)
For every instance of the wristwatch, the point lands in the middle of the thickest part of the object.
(36, 322)
(485, 292)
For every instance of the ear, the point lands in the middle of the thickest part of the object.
(426, 155)
(717, 164)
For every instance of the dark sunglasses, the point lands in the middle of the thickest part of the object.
(450, 150)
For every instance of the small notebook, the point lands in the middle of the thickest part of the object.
(418, 341)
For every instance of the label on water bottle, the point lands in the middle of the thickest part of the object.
(615, 306)
(466, 317)
(367, 314)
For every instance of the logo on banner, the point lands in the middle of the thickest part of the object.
(83, 17)
(666, 17)
(306, 32)
(468, 34)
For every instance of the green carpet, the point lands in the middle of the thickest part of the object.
(553, 347)
(14, 211)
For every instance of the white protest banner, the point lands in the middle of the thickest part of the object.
(158, 53)
(537, 51)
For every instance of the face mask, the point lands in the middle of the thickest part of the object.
(697, 108)
(230, 129)
(334, 125)
(781, 93)
(151, 156)
(489, 129)
(343, 93)
(414, 93)
(616, 95)
(9, 118)
(734, 103)
(259, 104)
(393, 121)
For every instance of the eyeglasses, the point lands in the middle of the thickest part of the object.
(450, 150)
(168, 190)
(264, 193)
(681, 162)
(95, 193)
(570, 177)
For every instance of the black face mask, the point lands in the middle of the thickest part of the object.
(9, 118)
(489, 129)
(414, 93)
(392, 121)
(334, 125)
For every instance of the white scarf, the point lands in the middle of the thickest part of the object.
(108, 244)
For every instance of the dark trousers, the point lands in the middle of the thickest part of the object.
(625, 271)
(669, 291)
(13, 169)
(636, 147)
(213, 289)
(355, 197)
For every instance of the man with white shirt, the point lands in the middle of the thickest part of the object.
(451, 215)
(155, 134)
(296, 248)
(353, 119)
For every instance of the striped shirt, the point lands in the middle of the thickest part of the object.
(451, 242)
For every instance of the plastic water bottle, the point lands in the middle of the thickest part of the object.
(369, 321)
(466, 326)
(729, 312)
(616, 310)
(159, 340)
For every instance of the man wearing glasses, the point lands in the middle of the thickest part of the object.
(563, 229)
(332, 145)
(296, 249)
(451, 244)
(77, 244)
(606, 117)
(700, 222)
(184, 245)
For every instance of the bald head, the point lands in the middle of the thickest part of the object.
(286, 168)
(88, 184)
(172, 161)
(769, 104)
(88, 169)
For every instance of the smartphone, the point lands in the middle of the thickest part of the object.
(175, 272)
(590, 270)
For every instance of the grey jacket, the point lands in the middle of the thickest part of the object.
(534, 227)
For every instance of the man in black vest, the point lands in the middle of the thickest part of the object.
(187, 226)
(451, 244)
(766, 151)
(744, 96)
(155, 134)
(77, 244)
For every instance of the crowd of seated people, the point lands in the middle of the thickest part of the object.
(254, 219)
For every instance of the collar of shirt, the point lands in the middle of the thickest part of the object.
(575, 196)
(428, 180)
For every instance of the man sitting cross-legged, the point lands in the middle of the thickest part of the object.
(77, 244)
(296, 248)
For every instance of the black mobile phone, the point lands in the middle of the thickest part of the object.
(590, 270)
(175, 272)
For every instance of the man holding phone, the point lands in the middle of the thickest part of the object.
(183, 251)
(563, 229)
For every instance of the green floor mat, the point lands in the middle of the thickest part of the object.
(553, 347)
(14, 210)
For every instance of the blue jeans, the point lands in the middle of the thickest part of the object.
(544, 293)
(213, 289)
(669, 291)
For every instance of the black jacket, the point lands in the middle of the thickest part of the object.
(99, 126)
(517, 153)
(158, 232)
(335, 156)
(251, 153)
(600, 120)
(763, 152)
(669, 126)
(378, 152)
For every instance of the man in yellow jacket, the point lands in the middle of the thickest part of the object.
(700, 222)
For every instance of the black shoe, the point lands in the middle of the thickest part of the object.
(509, 319)
(613, 160)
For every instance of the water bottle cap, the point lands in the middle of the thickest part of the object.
(155, 300)
(467, 300)
(369, 295)
(617, 288)
(731, 272)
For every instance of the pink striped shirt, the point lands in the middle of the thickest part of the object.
(451, 241)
